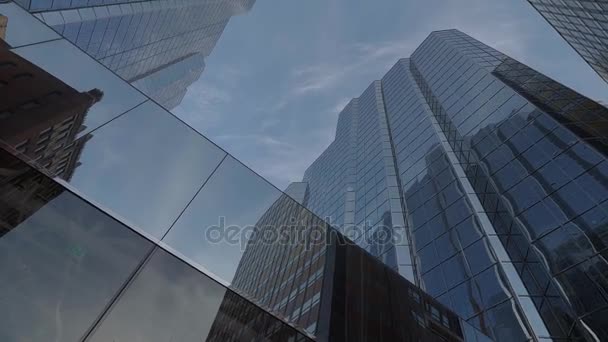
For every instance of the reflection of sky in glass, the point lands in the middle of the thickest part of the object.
(64, 263)
(22, 28)
(168, 301)
(280, 73)
(238, 195)
(64, 61)
(145, 166)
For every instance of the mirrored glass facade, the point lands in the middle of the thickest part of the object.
(487, 182)
(583, 24)
(159, 46)
(118, 222)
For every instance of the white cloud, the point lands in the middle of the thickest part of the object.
(275, 159)
(340, 104)
(359, 57)
(203, 105)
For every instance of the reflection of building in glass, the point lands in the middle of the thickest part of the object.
(125, 263)
(169, 83)
(501, 180)
(40, 115)
(583, 24)
(364, 300)
(55, 247)
(158, 45)
(3, 26)
(279, 267)
(18, 184)
(330, 288)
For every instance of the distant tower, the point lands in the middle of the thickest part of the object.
(159, 46)
(583, 24)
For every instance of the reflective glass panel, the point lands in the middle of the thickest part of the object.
(18, 28)
(110, 96)
(171, 301)
(61, 260)
(215, 228)
(145, 166)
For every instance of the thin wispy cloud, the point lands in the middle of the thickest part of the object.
(279, 77)
(274, 158)
(205, 102)
(358, 57)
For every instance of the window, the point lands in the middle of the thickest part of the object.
(53, 95)
(29, 105)
(22, 76)
(4, 65)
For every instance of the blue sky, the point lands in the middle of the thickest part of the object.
(279, 76)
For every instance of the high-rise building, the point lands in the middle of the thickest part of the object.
(156, 234)
(322, 282)
(583, 24)
(157, 45)
(481, 180)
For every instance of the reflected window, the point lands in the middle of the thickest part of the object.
(23, 75)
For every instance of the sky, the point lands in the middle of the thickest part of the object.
(279, 76)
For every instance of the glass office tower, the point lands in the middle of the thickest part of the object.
(481, 180)
(118, 222)
(157, 45)
(583, 24)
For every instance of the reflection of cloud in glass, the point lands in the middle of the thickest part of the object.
(145, 166)
(171, 302)
(235, 193)
(65, 260)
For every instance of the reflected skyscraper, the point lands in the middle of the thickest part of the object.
(583, 24)
(157, 45)
(481, 180)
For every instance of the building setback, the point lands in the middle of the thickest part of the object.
(482, 181)
(583, 24)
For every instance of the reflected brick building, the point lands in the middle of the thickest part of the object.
(19, 184)
(3, 26)
(40, 115)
